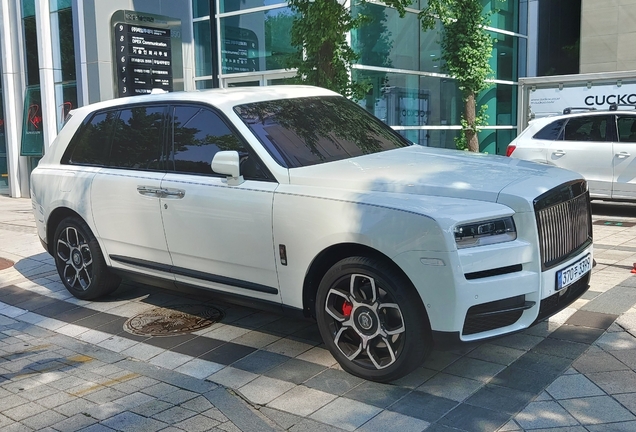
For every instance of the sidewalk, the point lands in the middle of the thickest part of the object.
(67, 364)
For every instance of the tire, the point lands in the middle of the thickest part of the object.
(80, 262)
(372, 319)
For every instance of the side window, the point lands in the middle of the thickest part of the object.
(550, 132)
(592, 128)
(138, 139)
(91, 145)
(626, 128)
(197, 135)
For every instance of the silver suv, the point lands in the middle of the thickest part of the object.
(600, 145)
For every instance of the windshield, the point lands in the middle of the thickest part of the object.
(308, 131)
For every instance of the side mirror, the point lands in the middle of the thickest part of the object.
(228, 163)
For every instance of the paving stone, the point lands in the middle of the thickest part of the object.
(614, 382)
(628, 400)
(239, 413)
(199, 368)
(573, 386)
(334, 381)
(104, 395)
(197, 423)
(439, 360)
(540, 362)
(151, 408)
(472, 418)
(423, 406)
(128, 421)
(170, 360)
(43, 419)
(474, 369)
(346, 413)
(133, 400)
(387, 421)
(416, 378)
(174, 415)
(260, 362)
(74, 423)
(377, 394)
(585, 335)
(598, 409)
(518, 341)
(264, 389)
(598, 361)
(450, 387)
(496, 398)
(496, 354)
(308, 425)
(524, 379)
(615, 301)
(301, 401)
(591, 319)
(232, 377)
(617, 341)
(613, 427)
(546, 414)
(295, 371)
(23, 411)
(282, 419)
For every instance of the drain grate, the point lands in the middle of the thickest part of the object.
(5, 263)
(173, 321)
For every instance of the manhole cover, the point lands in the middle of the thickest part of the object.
(5, 263)
(174, 321)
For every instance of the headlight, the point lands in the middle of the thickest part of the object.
(485, 233)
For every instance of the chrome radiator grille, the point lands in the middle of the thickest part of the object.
(564, 222)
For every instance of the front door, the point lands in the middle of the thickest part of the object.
(219, 236)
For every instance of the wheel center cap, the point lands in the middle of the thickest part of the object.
(77, 258)
(365, 321)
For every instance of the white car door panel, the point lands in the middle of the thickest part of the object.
(624, 186)
(584, 150)
(219, 236)
(125, 196)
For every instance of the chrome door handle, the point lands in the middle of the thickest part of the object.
(173, 193)
(623, 155)
(559, 153)
(150, 191)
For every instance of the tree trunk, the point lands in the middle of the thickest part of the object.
(470, 114)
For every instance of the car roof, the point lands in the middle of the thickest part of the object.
(550, 118)
(221, 98)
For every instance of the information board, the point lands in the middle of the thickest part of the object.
(144, 59)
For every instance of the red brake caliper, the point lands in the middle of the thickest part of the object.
(347, 308)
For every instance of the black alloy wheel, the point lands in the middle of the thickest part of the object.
(372, 319)
(80, 262)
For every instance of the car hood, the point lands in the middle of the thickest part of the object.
(437, 172)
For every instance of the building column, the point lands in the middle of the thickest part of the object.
(13, 93)
(47, 77)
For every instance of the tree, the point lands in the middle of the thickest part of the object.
(323, 57)
(466, 51)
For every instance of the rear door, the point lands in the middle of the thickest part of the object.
(126, 193)
(585, 147)
(624, 186)
(219, 236)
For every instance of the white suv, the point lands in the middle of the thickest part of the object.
(601, 145)
(297, 199)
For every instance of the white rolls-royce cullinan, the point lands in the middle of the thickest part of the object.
(297, 198)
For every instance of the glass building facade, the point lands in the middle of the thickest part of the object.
(246, 41)
(58, 55)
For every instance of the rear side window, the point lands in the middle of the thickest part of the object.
(197, 135)
(138, 139)
(550, 132)
(91, 144)
(626, 128)
(593, 128)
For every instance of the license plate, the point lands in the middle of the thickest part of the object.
(571, 274)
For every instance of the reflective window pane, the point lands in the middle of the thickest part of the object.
(411, 100)
(234, 5)
(198, 134)
(307, 131)
(591, 128)
(505, 14)
(138, 139)
(202, 48)
(626, 128)
(91, 146)
(200, 8)
(256, 41)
